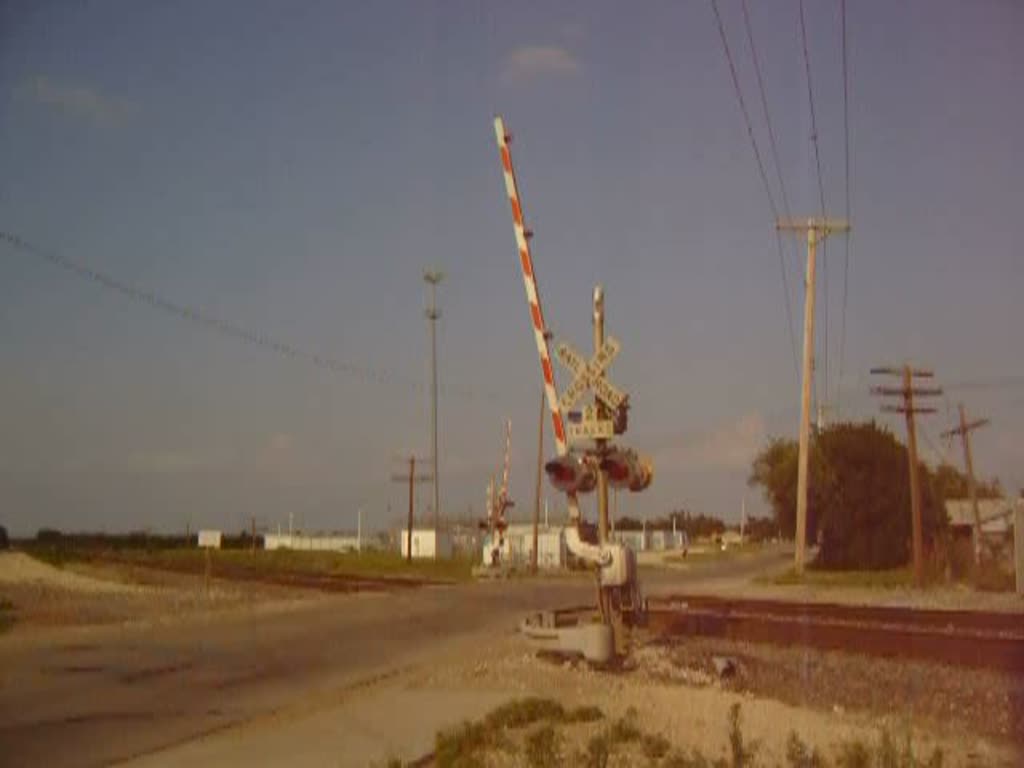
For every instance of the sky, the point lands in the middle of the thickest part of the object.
(292, 168)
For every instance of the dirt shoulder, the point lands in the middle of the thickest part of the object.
(44, 598)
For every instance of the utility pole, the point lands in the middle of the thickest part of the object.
(907, 392)
(602, 478)
(534, 558)
(433, 277)
(815, 228)
(964, 431)
(412, 479)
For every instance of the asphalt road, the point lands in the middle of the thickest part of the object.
(103, 695)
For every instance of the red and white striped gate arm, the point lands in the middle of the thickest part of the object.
(532, 294)
(536, 313)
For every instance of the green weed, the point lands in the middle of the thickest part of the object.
(543, 748)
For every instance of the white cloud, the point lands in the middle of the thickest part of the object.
(531, 61)
(731, 447)
(87, 103)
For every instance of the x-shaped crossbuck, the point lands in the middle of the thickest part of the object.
(590, 375)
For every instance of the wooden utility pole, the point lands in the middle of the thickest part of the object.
(907, 392)
(412, 479)
(815, 228)
(534, 558)
(964, 431)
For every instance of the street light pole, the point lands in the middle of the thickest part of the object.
(433, 277)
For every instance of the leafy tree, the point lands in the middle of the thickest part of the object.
(761, 528)
(626, 523)
(859, 495)
(951, 483)
(775, 471)
(4, 541)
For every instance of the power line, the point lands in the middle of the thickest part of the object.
(210, 322)
(764, 107)
(942, 455)
(846, 178)
(764, 180)
(821, 188)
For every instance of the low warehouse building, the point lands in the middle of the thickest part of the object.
(427, 543)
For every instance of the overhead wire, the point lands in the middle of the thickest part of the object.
(846, 179)
(764, 107)
(942, 455)
(218, 325)
(764, 180)
(821, 191)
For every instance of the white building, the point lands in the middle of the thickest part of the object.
(516, 547)
(651, 541)
(996, 515)
(426, 543)
(320, 543)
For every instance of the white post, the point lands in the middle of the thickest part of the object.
(545, 513)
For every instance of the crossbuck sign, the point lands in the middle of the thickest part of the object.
(590, 375)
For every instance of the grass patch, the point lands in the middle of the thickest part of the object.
(624, 742)
(799, 755)
(239, 562)
(713, 552)
(523, 712)
(654, 746)
(887, 579)
(586, 714)
(743, 753)
(543, 748)
(623, 731)
(463, 746)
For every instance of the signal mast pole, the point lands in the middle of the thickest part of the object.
(816, 228)
(602, 478)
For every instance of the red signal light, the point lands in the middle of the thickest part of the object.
(572, 474)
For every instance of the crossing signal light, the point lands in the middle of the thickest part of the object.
(625, 469)
(572, 473)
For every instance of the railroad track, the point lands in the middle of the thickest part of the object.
(982, 639)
